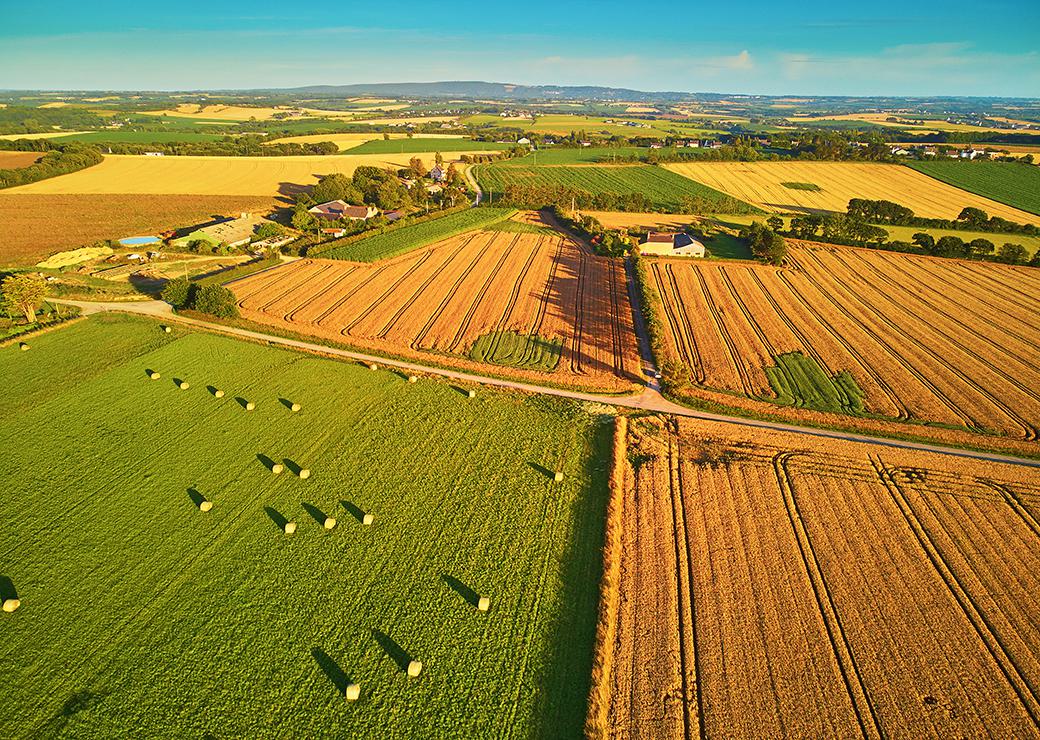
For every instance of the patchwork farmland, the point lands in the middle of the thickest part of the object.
(139, 609)
(806, 588)
(532, 290)
(902, 337)
(760, 183)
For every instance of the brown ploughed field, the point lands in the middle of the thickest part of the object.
(947, 342)
(442, 298)
(773, 585)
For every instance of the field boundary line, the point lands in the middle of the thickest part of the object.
(731, 349)
(460, 334)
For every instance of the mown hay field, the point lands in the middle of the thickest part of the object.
(140, 610)
(1013, 183)
(436, 303)
(923, 339)
(127, 174)
(33, 227)
(760, 183)
(809, 588)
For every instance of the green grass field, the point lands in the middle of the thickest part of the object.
(143, 137)
(409, 146)
(799, 381)
(517, 350)
(407, 238)
(665, 189)
(563, 123)
(584, 155)
(1010, 183)
(143, 616)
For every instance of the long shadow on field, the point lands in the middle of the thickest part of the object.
(241, 401)
(551, 475)
(467, 593)
(354, 510)
(394, 651)
(331, 668)
(286, 402)
(316, 514)
(196, 497)
(265, 461)
(292, 466)
(7, 589)
(276, 517)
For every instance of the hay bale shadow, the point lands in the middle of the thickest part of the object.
(286, 402)
(316, 514)
(461, 390)
(550, 474)
(177, 381)
(196, 497)
(340, 679)
(241, 401)
(212, 389)
(292, 466)
(265, 461)
(393, 651)
(148, 371)
(354, 510)
(276, 517)
(7, 589)
(468, 594)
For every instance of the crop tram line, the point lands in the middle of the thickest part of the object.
(893, 284)
(543, 304)
(1015, 503)
(295, 286)
(375, 303)
(943, 399)
(428, 326)
(291, 316)
(862, 706)
(339, 302)
(579, 315)
(475, 304)
(688, 334)
(270, 276)
(1002, 289)
(1002, 657)
(713, 310)
(902, 412)
(616, 312)
(514, 294)
(1028, 430)
(434, 274)
(684, 597)
(683, 343)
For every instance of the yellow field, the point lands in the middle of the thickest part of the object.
(210, 175)
(410, 119)
(48, 135)
(349, 141)
(627, 220)
(239, 112)
(878, 119)
(759, 183)
(55, 104)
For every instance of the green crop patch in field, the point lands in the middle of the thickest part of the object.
(409, 146)
(140, 610)
(633, 187)
(802, 186)
(520, 227)
(407, 238)
(799, 381)
(1012, 183)
(517, 350)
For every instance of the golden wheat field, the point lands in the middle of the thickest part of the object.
(349, 141)
(947, 342)
(539, 301)
(127, 174)
(801, 587)
(238, 112)
(760, 183)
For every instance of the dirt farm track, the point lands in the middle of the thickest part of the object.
(819, 589)
(443, 298)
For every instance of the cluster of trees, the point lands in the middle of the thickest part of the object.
(22, 294)
(211, 298)
(58, 161)
(23, 119)
(954, 246)
(604, 242)
(765, 243)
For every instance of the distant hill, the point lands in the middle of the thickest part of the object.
(493, 90)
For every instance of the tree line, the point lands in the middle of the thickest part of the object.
(58, 161)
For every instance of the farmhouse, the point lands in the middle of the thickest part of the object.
(234, 232)
(437, 174)
(671, 244)
(334, 210)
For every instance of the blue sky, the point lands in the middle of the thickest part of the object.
(811, 47)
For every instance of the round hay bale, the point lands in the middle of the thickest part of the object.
(290, 527)
(23, 346)
(353, 692)
(295, 407)
(472, 393)
(167, 329)
(250, 405)
(558, 476)
(218, 393)
(373, 366)
(205, 506)
(330, 522)
(414, 668)
(412, 379)
(305, 473)
(154, 375)
(183, 385)
(367, 520)
(277, 468)
(11, 605)
(483, 604)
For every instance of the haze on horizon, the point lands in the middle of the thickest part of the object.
(884, 48)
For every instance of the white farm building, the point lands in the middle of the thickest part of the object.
(671, 244)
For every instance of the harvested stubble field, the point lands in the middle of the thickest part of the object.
(140, 611)
(760, 183)
(945, 342)
(272, 176)
(444, 298)
(809, 588)
(347, 141)
(17, 160)
(35, 226)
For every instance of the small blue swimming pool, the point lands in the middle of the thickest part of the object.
(138, 241)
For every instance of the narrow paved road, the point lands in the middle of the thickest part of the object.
(650, 399)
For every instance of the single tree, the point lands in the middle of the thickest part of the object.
(216, 300)
(1012, 254)
(23, 294)
(981, 247)
(775, 223)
